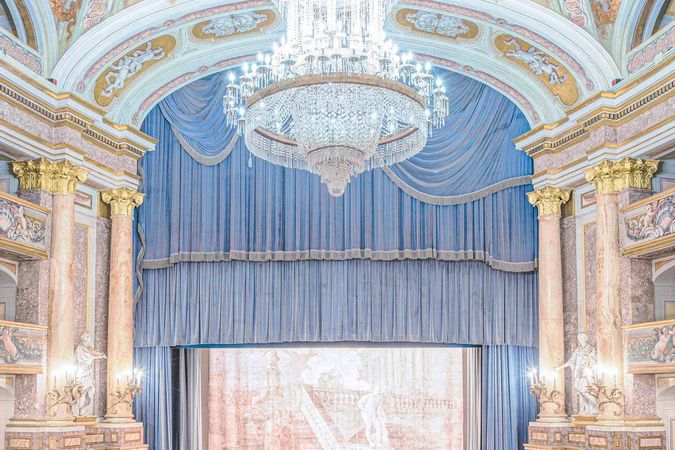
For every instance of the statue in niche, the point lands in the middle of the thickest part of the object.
(85, 356)
(583, 364)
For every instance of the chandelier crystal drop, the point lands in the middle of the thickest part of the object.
(335, 98)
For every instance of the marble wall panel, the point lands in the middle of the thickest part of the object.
(81, 272)
(590, 262)
(570, 300)
(101, 309)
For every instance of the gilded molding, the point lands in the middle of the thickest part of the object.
(616, 176)
(122, 201)
(60, 177)
(549, 200)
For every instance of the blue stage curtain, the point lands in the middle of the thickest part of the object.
(230, 211)
(507, 405)
(154, 406)
(334, 301)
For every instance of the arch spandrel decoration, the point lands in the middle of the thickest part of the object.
(117, 76)
(439, 25)
(557, 78)
(470, 51)
(233, 26)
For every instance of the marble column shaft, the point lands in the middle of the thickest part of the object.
(610, 178)
(120, 299)
(61, 179)
(549, 200)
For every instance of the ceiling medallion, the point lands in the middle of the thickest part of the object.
(335, 98)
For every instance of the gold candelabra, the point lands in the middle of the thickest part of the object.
(128, 388)
(610, 399)
(551, 400)
(65, 395)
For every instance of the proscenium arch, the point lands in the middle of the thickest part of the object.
(87, 58)
(40, 13)
(536, 103)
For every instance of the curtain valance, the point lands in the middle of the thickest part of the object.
(261, 212)
(333, 301)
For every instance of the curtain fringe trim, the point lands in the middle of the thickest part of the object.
(201, 159)
(327, 255)
(447, 200)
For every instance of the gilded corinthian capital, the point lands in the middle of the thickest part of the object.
(60, 177)
(122, 201)
(616, 176)
(548, 200)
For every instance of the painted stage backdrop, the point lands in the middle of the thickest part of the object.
(336, 398)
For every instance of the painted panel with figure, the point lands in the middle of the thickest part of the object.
(336, 397)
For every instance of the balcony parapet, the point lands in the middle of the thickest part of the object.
(650, 347)
(23, 348)
(648, 226)
(22, 229)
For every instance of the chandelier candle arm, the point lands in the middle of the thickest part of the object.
(335, 98)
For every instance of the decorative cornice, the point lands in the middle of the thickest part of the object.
(59, 177)
(616, 176)
(604, 114)
(548, 200)
(122, 201)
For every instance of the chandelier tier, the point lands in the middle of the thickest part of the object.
(335, 98)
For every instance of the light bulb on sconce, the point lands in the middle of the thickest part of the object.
(610, 400)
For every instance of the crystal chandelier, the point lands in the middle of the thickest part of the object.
(335, 98)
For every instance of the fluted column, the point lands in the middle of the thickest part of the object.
(548, 201)
(61, 179)
(611, 177)
(120, 303)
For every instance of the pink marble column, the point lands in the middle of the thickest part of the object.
(61, 179)
(611, 177)
(549, 200)
(120, 304)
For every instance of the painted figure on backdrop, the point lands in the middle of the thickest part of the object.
(583, 363)
(85, 355)
(372, 413)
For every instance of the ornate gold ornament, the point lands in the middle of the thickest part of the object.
(443, 26)
(548, 200)
(551, 400)
(628, 173)
(610, 399)
(122, 201)
(541, 65)
(60, 177)
(66, 396)
(125, 393)
(117, 76)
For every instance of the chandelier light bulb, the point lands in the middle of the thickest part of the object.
(335, 97)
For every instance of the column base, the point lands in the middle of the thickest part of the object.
(44, 434)
(116, 436)
(586, 432)
(83, 433)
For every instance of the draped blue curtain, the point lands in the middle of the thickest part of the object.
(154, 406)
(335, 301)
(437, 249)
(507, 404)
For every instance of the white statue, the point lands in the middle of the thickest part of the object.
(537, 61)
(129, 65)
(372, 413)
(583, 363)
(85, 355)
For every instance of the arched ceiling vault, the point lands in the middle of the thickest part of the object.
(529, 52)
